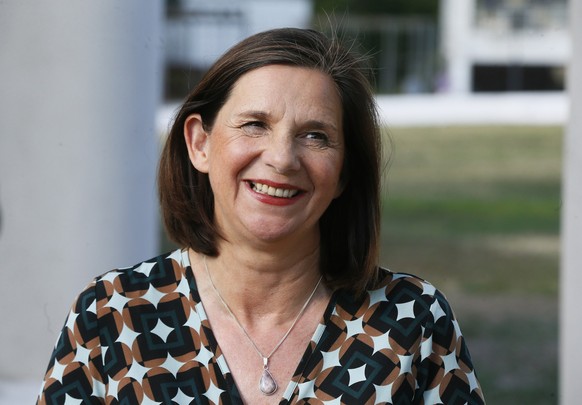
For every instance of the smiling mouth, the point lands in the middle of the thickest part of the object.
(273, 191)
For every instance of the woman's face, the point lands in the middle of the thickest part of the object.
(274, 155)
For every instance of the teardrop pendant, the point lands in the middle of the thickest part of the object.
(267, 385)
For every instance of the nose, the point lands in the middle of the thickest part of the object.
(281, 153)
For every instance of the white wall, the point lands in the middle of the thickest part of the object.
(571, 277)
(79, 85)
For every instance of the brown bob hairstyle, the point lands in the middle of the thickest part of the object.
(349, 227)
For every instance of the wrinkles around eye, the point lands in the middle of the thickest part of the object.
(312, 139)
(254, 128)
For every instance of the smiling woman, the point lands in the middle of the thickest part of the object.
(189, 211)
(269, 181)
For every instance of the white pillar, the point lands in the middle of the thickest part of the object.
(571, 271)
(456, 21)
(79, 86)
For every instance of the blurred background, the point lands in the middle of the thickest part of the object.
(472, 96)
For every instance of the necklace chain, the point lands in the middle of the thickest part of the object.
(265, 358)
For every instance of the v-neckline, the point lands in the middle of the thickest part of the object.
(217, 353)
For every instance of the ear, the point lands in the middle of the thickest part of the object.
(197, 142)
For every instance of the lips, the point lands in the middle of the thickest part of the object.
(274, 191)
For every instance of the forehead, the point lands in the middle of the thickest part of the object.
(303, 90)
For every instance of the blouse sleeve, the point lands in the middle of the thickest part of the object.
(75, 370)
(445, 370)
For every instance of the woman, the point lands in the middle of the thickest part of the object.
(270, 180)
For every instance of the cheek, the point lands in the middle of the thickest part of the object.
(229, 159)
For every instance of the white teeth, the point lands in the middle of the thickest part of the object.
(273, 191)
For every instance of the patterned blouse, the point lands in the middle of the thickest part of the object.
(140, 335)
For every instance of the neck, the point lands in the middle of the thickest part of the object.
(260, 285)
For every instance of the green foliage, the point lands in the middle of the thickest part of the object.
(375, 7)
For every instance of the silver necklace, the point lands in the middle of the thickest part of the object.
(267, 383)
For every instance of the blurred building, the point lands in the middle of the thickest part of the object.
(199, 31)
(468, 47)
(504, 45)
(473, 45)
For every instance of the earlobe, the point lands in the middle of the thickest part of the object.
(196, 139)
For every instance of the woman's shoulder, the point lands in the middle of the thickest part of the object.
(117, 294)
(397, 286)
(162, 272)
(398, 296)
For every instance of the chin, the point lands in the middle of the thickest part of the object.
(270, 236)
(274, 234)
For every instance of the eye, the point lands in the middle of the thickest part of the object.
(316, 138)
(254, 128)
(315, 135)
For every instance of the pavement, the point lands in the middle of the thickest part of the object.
(524, 108)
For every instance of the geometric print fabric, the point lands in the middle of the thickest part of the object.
(140, 335)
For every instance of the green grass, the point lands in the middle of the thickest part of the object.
(475, 210)
(469, 215)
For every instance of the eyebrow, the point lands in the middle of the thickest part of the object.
(315, 124)
(254, 114)
(320, 125)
